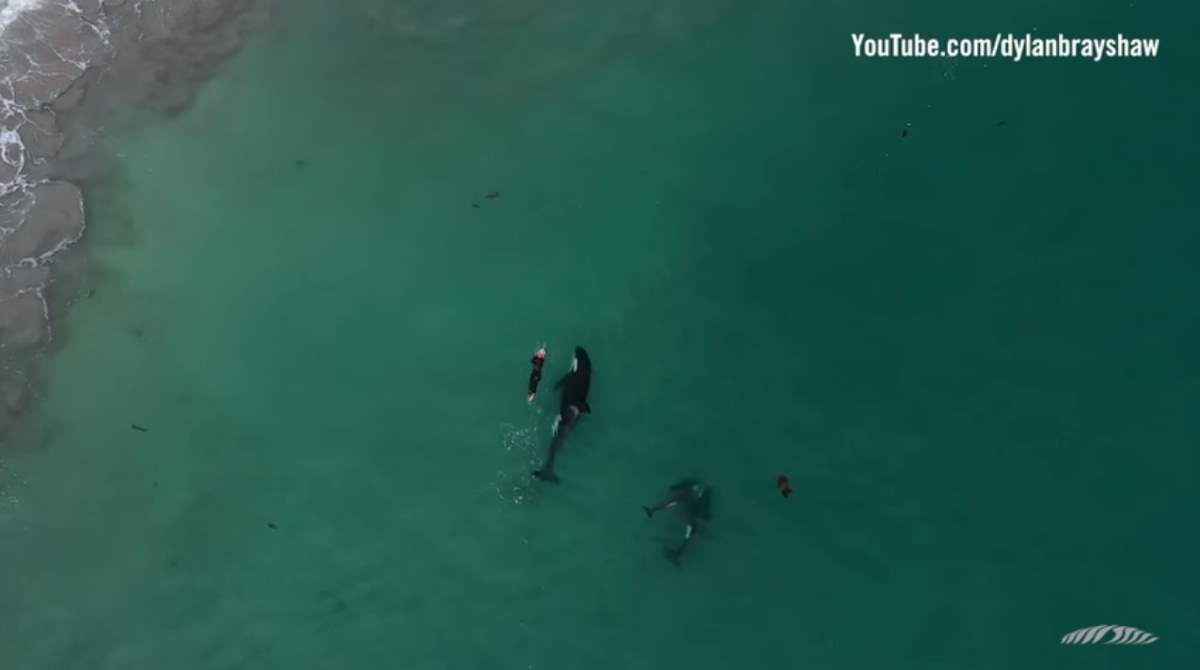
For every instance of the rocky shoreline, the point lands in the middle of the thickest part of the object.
(69, 68)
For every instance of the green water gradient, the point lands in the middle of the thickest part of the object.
(971, 349)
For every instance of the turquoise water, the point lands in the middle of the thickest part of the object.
(971, 350)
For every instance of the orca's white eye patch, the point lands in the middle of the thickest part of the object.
(574, 365)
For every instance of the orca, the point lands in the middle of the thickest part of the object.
(696, 498)
(575, 385)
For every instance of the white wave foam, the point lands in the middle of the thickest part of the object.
(35, 58)
(15, 8)
(12, 150)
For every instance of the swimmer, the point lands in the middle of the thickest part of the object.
(535, 375)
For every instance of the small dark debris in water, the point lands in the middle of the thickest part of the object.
(155, 484)
(475, 205)
(139, 428)
(301, 163)
(173, 563)
(1001, 124)
(91, 293)
(493, 195)
(137, 332)
(338, 605)
(272, 525)
(904, 133)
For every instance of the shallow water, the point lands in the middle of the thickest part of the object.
(968, 349)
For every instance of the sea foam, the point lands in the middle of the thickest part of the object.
(45, 47)
(13, 9)
(67, 68)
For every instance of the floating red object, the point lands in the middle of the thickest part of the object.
(785, 487)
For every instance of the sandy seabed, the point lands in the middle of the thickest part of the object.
(68, 70)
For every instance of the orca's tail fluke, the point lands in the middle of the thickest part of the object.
(649, 512)
(546, 475)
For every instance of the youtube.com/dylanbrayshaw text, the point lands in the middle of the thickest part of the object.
(1007, 46)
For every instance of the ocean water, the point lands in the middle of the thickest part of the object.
(971, 349)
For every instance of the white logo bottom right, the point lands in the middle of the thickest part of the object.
(1120, 635)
